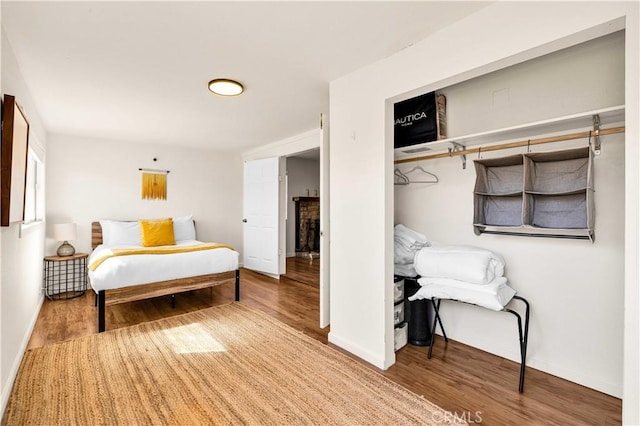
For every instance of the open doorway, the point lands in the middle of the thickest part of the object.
(312, 146)
(303, 218)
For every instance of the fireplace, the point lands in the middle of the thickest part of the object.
(307, 226)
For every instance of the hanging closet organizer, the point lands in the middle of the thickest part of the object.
(537, 194)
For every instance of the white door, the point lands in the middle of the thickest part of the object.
(324, 220)
(261, 197)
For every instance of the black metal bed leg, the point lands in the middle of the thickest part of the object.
(101, 311)
(237, 296)
(523, 335)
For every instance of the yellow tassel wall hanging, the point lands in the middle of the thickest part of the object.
(154, 185)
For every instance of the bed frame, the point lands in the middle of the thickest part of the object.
(161, 288)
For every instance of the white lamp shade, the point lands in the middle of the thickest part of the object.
(65, 231)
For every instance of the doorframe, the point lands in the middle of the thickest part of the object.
(286, 148)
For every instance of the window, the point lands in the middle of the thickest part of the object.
(34, 193)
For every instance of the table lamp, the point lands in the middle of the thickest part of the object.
(65, 232)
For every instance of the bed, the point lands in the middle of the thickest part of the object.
(137, 275)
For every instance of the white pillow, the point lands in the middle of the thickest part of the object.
(115, 233)
(184, 228)
(105, 225)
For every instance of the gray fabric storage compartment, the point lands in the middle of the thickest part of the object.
(499, 176)
(498, 191)
(558, 211)
(559, 189)
(559, 176)
(398, 290)
(398, 313)
(549, 190)
(558, 172)
(499, 211)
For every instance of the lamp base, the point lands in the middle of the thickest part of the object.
(66, 249)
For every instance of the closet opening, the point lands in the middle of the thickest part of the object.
(533, 110)
(303, 218)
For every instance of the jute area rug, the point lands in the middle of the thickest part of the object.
(223, 365)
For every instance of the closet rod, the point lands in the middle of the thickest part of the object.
(518, 144)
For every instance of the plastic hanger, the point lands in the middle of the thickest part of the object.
(403, 179)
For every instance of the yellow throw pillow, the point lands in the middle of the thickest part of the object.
(157, 233)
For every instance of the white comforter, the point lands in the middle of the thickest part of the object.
(494, 295)
(463, 263)
(123, 271)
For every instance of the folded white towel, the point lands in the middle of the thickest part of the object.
(408, 234)
(493, 287)
(404, 256)
(406, 242)
(463, 263)
(471, 294)
(404, 270)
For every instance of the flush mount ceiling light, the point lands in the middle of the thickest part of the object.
(226, 87)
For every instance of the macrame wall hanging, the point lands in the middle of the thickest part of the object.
(154, 184)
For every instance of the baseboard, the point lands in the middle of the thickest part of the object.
(580, 377)
(6, 391)
(266, 274)
(292, 254)
(357, 350)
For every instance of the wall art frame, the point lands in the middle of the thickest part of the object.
(13, 163)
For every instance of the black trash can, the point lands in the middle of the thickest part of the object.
(419, 314)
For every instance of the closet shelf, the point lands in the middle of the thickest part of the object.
(534, 231)
(572, 192)
(583, 120)
(533, 228)
(498, 194)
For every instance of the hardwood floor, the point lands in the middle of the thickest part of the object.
(472, 384)
(299, 269)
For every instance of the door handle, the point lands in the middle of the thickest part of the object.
(244, 220)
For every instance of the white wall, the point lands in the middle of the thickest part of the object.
(555, 85)
(502, 34)
(2, 380)
(90, 180)
(22, 250)
(2, 374)
(631, 385)
(302, 175)
(285, 147)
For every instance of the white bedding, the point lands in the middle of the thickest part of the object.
(494, 295)
(404, 270)
(406, 243)
(463, 263)
(124, 271)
